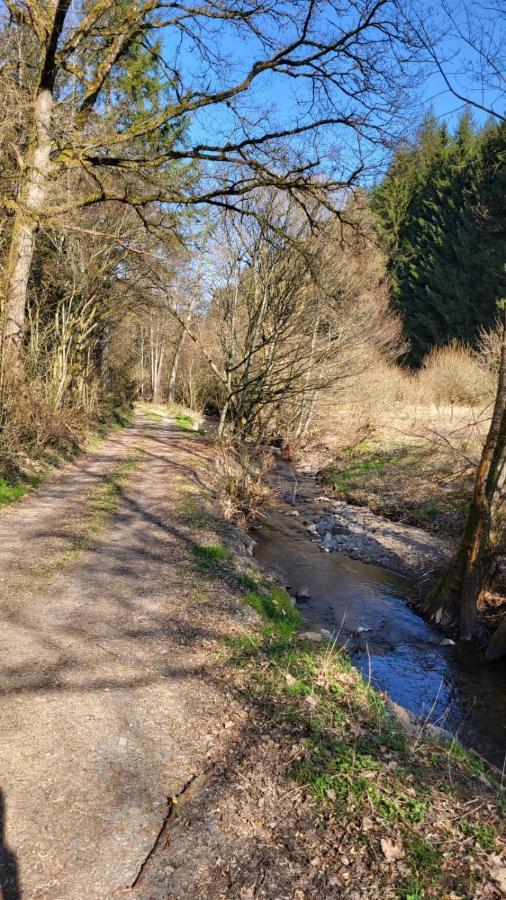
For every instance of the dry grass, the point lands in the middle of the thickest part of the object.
(242, 484)
(453, 375)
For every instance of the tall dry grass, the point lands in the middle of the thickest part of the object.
(455, 375)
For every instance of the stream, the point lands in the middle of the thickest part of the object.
(366, 607)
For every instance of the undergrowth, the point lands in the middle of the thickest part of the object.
(22, 480)
(407, 483)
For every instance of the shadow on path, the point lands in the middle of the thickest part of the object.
(9, 881)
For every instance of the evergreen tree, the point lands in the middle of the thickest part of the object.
(441, 218)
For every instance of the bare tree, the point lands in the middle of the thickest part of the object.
(296, 315)
(349, 63)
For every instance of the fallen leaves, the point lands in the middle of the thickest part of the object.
(392, 850)
(498, 870)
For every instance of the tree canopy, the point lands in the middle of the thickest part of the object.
(440, 212)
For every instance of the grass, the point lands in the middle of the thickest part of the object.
(409, 483)
(10, 492)
(196, 516)
(351, 758)
(151, 414)
(185, 422)
(17, 486)
(211, 559)
(485, 835)
(99, 507)
(343, 479)
(113, 422)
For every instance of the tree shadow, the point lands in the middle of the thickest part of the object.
(9, 878)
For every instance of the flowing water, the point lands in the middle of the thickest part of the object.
(392, 645)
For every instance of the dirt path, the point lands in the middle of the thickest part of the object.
(108, 704)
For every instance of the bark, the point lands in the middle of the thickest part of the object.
(177, 355)
(157, 355)
(33, 193)
(171, 391)
(30, 206)
(458, 592)
(104, 359)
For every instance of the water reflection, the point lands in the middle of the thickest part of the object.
(389, 642)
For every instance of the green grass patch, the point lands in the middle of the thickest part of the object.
(186, 423)
(150, 414)
(424, 860)
(211, 559)
(344, 479)
(12, 491)
(484, 835)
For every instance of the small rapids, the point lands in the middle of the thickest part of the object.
(366, 606)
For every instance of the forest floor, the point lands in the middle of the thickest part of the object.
(166, 733)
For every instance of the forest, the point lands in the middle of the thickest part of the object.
(260, 221)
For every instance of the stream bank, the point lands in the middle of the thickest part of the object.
(366, 606)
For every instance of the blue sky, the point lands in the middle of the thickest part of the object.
(281, 97)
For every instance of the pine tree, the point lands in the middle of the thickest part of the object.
(440, 216)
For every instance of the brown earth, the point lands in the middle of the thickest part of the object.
(136, 760)
(108, 702)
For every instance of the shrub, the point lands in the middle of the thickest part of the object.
(242, 474)
(452, 375)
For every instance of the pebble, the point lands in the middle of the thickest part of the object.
(315, 636)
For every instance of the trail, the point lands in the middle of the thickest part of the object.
(108, 706)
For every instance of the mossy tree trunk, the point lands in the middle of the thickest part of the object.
(459, 590)
(35, 177)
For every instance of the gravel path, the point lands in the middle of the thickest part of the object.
(108, 705)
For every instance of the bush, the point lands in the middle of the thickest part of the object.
(242, 474)
(489, 348)
(454, 375)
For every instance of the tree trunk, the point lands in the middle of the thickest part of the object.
(171, 393)
(30, 205)
(458, 592)
(35, 175)
(497, 646)
(104, 359)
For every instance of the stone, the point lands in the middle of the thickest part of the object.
(303, 593)
(326, 634)
(293, 512)
(447, 642)
(327, 541)
(292, 601)
(314, 636)
(312, 529)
